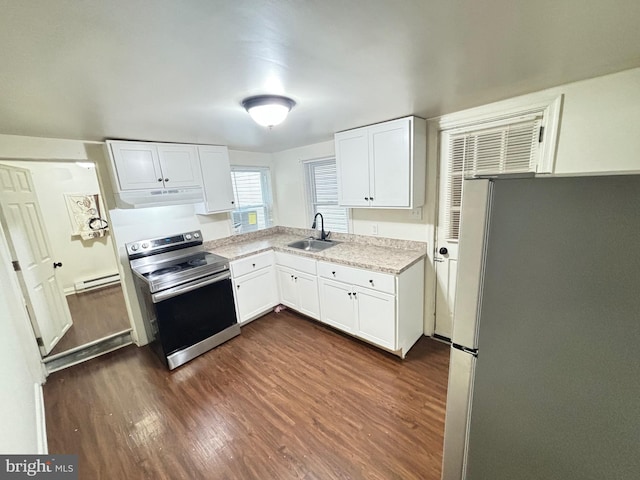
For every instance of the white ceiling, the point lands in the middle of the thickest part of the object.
(177, 70)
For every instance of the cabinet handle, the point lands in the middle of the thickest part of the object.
(254, 265)
(349, 293)
(238, 287)
(232, 202)
(292, 276)
(354, 294)
(366, 198)
(371, 282)
(166, 180)
(295, 278)
(159, 179)
(333, 273)
(57, 264)
(371, 198)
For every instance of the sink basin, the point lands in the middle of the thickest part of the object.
(312, 245)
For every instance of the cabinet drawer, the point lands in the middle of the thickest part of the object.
(251, 264)
(302, 264)
(383, 282)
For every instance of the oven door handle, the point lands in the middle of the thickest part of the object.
(188, 287)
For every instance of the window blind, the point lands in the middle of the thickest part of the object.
(252, 195)
(504, 148)
(322, 186)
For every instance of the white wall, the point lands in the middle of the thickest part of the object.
(21, 372)
(81, 259)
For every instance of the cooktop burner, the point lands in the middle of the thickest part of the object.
(164, 271)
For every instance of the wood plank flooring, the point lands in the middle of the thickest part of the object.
(96, 314)
(289, 398)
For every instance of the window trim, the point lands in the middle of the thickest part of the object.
(304, 164)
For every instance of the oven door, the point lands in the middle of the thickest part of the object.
(190, 313)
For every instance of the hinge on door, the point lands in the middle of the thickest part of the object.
(40, 342)
(16, 265)
(541, 135)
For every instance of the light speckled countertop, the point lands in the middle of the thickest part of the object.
(372, 253)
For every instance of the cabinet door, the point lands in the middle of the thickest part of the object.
(308, 299)
(287, 286)
(376, 314)
(352, 162)
(137, 165)
(256, 293)
(390, 152)
(338, 305)
(216, 179)
(179, 164)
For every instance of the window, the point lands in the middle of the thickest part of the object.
(252, 195)
(322, 193)
(512, 146)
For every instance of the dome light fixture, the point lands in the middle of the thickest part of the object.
(268, 110)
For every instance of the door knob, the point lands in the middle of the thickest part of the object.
(443, 251)
(57, 264)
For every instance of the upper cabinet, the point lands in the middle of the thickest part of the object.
(151, 174)
(142, 165)
(216, 180)
(382, 165)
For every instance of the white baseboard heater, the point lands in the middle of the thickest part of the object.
(98, 282)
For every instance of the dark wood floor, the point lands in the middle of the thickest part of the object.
(96, 314)
(289, 398)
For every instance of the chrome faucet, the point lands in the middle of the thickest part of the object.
(323, 235)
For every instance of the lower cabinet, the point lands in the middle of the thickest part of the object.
(360, 311)
(299, 290)
(255, 292)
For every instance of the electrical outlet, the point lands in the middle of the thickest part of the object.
(374, 229)
(416, 213)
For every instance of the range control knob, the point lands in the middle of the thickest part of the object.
(145, 245)
(187, 236)
(134, 247)
(196, 235)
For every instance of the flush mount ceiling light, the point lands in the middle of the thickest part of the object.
(268, 110)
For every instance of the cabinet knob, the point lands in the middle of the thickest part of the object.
(371, 282)
(333, 273)
(291, 276)
(166, 179)
(366, 198)
(254, 265)
(295, 278)
(159, 179)
(349, 293)
(371, 198)
(232, 202)
(238, 287)
(354, 294)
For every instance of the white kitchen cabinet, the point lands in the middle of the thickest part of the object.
(145, 166)
(338, 308)
(180, 166)
(255, 289)
(382, 165)
(216, 180)
(383, 309)
(298, 283)
(360, 311)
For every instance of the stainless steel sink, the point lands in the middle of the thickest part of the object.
(312, 244)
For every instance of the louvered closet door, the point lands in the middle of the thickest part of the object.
(507, 146)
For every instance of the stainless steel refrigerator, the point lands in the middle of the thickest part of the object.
(544, 379)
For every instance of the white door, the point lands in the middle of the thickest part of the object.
(216, 179)
(179, 164)
(448, 230)
(352, 163)
(308, 300)
(137, 165)
(376, 317)
(338, 305)
(287, 286)
(390, 164)
(30, 246)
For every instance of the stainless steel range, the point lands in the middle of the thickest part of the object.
(186, 294)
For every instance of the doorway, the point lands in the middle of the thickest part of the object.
(67, 202)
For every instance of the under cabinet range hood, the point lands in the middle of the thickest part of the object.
(158, 198)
